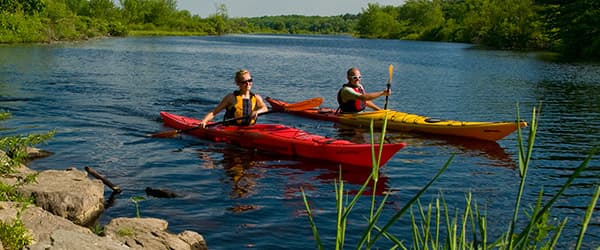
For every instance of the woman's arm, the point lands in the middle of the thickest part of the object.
(225, 102)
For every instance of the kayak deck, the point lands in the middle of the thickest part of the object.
(400, 121)
(277, 138)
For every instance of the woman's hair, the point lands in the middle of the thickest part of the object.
(239, 76)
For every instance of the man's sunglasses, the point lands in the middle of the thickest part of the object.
(356, 77)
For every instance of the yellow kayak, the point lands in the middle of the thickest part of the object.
(400, 121)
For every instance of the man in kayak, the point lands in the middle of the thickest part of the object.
(242, 106)
(352, 97)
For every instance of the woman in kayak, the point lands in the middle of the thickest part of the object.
(242, 103)
(352, 97)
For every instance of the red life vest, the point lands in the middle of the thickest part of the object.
(351, 106)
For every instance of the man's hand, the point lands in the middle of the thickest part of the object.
(386, 92)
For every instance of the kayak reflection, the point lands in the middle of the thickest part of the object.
(490, 150)
(244, 169)
(241, 171)
(459, 145)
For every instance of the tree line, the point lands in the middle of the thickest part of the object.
(568, 27)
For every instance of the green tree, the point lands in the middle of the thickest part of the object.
(575, 26)
(453, 29)
(423, 19)
(503, 23)
(161, 11)
(77, 6)
(219, 20)
(29, 7)
(102, 9)
(156, 12)
(378, 22)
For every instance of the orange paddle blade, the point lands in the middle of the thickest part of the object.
(302, 105)
(166, 134)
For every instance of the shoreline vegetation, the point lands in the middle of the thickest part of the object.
(570, 29)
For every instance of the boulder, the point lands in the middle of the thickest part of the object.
(151, 233)
(49, 231)
(64, 239)
(36, 153)
(69, 194)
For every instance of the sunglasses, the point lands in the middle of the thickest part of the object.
(356, 77)
(246, 81)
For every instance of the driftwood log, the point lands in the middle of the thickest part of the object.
(106, 182)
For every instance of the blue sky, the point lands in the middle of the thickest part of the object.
(254, 8)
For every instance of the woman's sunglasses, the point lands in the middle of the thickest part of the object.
(246, 81)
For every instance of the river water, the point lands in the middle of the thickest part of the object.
(103, 98)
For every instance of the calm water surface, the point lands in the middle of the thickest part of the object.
(104, 96)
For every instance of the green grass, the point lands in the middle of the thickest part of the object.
(435, 226)
(126, 231)
(14, 235)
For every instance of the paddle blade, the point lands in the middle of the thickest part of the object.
(303, 105)
(389, 85)
(166, 134)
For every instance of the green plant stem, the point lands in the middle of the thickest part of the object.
(524, 157)
(588, 216)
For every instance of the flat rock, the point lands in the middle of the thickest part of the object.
(151, 233)
(68, 193)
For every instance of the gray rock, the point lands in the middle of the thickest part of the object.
(63, 239)
(49, 231)
(69, 194)
(66, 200)
(36, 153)
(151, 233)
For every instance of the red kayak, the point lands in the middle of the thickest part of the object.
(285, 140)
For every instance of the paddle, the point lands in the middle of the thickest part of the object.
(389, 85)
(306, 104)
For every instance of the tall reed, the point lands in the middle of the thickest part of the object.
(433, 227)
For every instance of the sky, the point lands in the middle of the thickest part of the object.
(257, 8)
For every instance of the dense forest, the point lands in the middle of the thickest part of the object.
(568, 27)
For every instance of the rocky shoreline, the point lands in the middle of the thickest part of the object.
(66, 201)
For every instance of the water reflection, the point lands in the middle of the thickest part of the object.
(245, 167)
(353, 134)
(239, 167)
(353, 177)
(488, 149)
